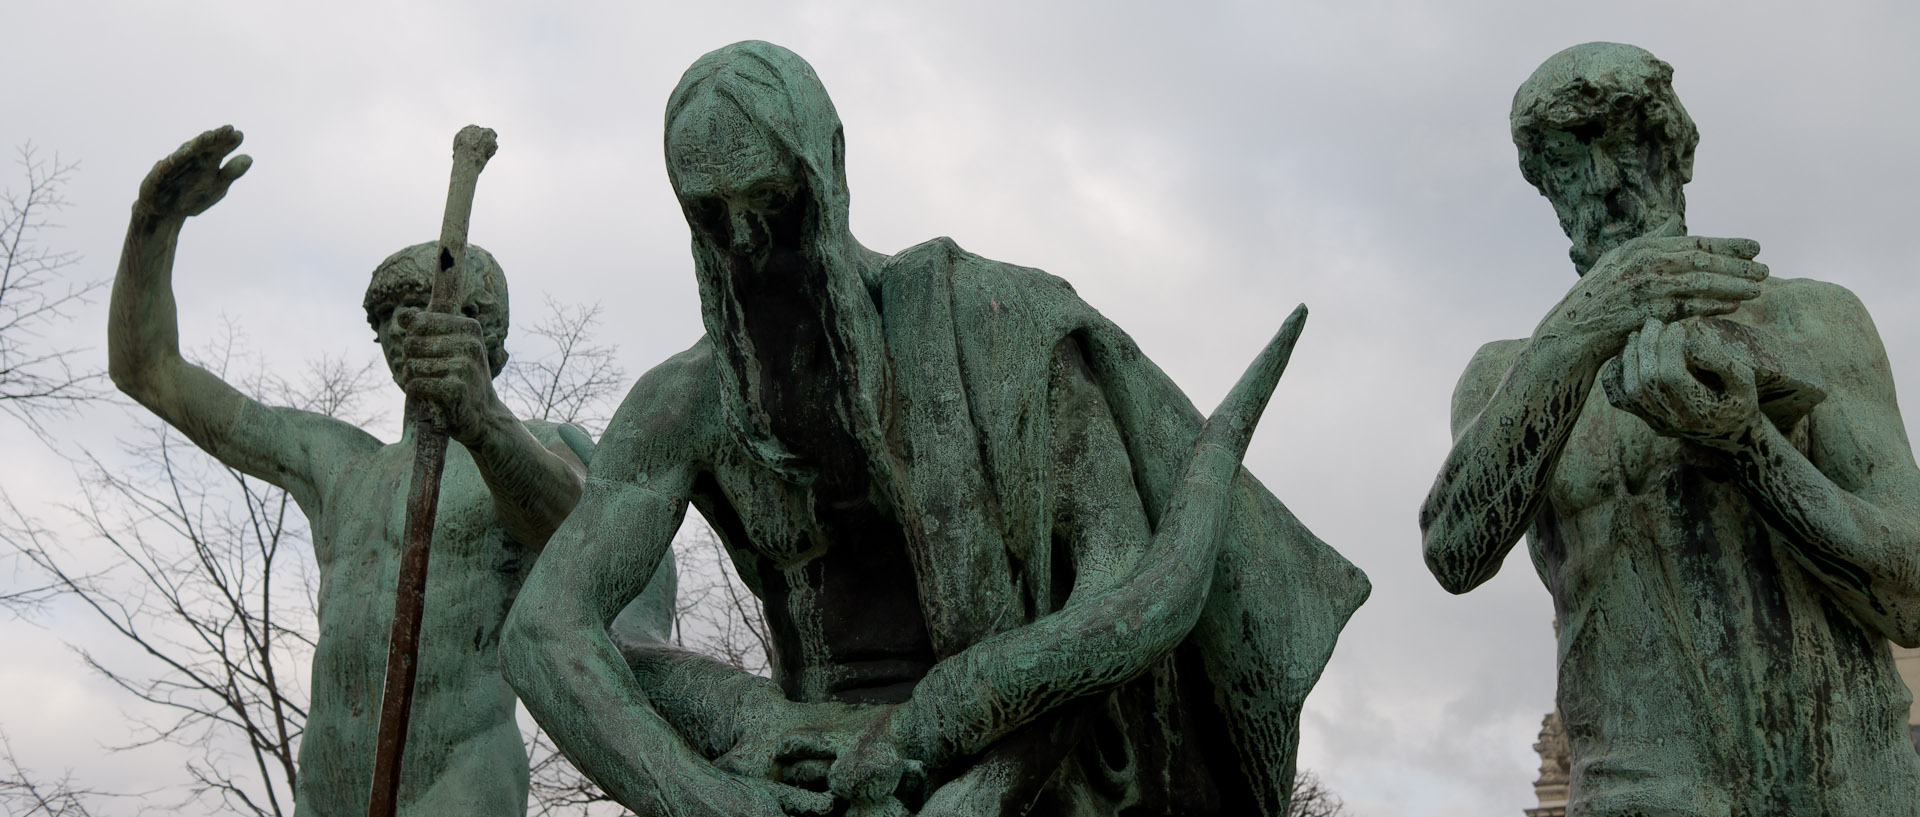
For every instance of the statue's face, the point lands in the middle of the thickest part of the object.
(740, 190)
(391, 314)
(1609, 185)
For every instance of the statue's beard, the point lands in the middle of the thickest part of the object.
(804, 337)
(1598, 224)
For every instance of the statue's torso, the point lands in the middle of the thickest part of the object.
(835, 579)
(1700, 664)
(462, 734)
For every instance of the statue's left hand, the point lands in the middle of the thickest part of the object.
(1682, 380)
(192, 179)
(445, 364)
(794, 743)
(873, 774)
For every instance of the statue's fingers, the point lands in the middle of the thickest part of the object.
(1745, 248)
(1709, 286)
(235, 168)
(806, 744)
(810, 773)
(1705, 349)
(1739, 247)
(1647, 354)
(1679, 382)
(800, 801)
(460, 327)
(1716, 263)
(1630, 385)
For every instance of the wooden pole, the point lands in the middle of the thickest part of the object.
(472, 147)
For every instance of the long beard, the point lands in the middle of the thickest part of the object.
(806, 384)
(1599, 224)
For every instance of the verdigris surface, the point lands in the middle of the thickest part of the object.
(506, 486)
(948, 479)
(1713, 478)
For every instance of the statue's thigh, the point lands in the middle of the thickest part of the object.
(484, 778)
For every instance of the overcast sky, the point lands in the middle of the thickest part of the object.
(1195, 169)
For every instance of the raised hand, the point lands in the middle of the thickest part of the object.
(1682, 380)
(193, 178)
(1666, 279)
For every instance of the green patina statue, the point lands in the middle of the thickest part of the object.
(958, 492)
(1713, 478)
(506, 487)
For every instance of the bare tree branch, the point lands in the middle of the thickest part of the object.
(1312, 798)
(23, 794)
(574, 380)
(37, 383)
(211, 580)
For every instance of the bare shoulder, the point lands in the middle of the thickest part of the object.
(1811, 298)
(671, 415)
(1829, 321)
(1482, 376)
(305, 452)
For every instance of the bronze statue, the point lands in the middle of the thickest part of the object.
(957, 490)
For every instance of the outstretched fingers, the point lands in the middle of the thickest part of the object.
(192, 178)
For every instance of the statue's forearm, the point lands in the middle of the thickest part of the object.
(712, 705)
(973, 699)
(143, 331)
(572, 680)
(533, 488)
(1101, 639)
(1493, 481)
(1867, 553)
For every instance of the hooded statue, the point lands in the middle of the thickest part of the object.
(943, 375)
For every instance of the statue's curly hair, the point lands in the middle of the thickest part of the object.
(410, 272)
(1602, 86)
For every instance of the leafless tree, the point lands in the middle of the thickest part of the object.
(25, 794)
(573, 380)
(1312, 798)
(210, 577)
(35, 381)
(714, 613)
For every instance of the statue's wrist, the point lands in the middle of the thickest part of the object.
(492, 422)
(1743, 442)
(910, 736)
(147, 219)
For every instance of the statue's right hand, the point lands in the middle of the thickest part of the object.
(192, 179)
(1665, 278)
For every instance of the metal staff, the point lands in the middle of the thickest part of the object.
(472, 147)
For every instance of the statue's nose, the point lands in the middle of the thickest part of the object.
(747, 233)
(1606, 172)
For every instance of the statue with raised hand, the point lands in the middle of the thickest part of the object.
(507, 486)
(1713, 478)
(998, 574)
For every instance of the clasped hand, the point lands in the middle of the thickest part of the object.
(444, 364)
(1684, 382)
(1661, 278)
(812, 756)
